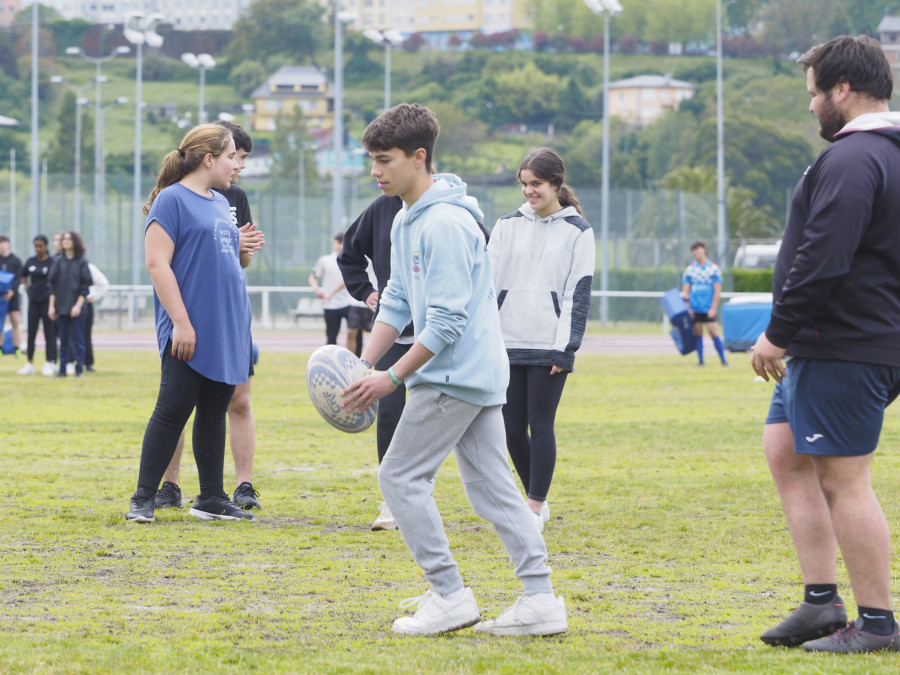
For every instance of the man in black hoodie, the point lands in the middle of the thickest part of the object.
(833, 347)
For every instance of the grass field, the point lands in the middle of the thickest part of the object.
(667, 539)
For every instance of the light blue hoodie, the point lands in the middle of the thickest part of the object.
(441, 280)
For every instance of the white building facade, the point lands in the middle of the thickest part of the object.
(182, 14)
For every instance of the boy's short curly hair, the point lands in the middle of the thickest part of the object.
(408, 126)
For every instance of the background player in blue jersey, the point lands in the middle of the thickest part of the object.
(701, 287)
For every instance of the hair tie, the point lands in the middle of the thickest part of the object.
(181, 153)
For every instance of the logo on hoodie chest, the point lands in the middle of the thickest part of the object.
(416, 262)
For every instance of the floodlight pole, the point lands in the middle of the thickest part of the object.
(35, 178)
(722, 218)
(606, 8)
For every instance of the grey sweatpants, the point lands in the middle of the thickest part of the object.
(432, 425)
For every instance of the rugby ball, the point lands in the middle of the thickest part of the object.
(329, 371)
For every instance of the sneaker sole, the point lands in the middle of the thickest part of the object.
(140, 519)
(539, 630)
(438, 631)
(170, 506)
(797, 640)
(248, 507)
(203, 515)
(378, 527)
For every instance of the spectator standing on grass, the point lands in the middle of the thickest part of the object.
(241, 423)
(833, 347)
(70, 282)
(369, 239)
(328, 285)
(701, 287)
(9, 262)
(36, 278)
(98, 289)
(202, 318)
(542, 257)
(441, 281)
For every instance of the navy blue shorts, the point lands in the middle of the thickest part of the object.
(834, 407)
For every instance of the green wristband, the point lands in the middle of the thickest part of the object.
(391, 374)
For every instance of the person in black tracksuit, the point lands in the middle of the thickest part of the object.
(35, 276)
(70, 282)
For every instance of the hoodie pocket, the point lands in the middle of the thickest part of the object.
(529, 318)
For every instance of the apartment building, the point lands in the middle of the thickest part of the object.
(436, 20)
(190, 15)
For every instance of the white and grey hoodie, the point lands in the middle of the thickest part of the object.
(543, 269)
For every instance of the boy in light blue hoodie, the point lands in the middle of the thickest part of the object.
(456, 373)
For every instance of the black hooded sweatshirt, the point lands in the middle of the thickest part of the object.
(836, 286)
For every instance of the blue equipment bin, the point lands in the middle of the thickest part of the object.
(682, 325)
(744, 319)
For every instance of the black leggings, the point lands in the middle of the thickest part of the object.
(37, 313)
(181, 390)
(531, 402)
(391, 406)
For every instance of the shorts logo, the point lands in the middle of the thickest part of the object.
(813, 438)
(416, 261)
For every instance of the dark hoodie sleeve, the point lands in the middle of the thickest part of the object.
(358, 245)
(842, 187)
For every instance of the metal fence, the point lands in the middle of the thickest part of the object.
(647, 228)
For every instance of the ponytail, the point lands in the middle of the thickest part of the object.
(567, 197)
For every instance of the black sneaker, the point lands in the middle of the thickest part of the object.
(852, 640)
(807, 622)
(169, 496)
(218, 507)
(141, 510)
(246, 497)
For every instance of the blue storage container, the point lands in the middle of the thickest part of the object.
(744, 320)
(682, 325)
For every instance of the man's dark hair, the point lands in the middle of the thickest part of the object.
(3, 237)
(339, 238)
(408, 126)
(698, 244)
(859, 61)
(40, 238)
(242, 140)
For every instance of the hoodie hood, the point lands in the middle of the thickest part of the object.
(531, 214)
(447, 188)
(884, 123)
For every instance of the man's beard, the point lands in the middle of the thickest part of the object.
(831, 120)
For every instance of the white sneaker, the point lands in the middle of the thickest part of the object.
(545, 512)
(70, 368)
(385, 519)
(49, 369)
(437, 615)
(528, 617)
(538, 520)
(27, 369)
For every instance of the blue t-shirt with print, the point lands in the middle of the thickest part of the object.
(207, 267)
(702, 279)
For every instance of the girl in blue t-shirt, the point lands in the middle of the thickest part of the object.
(202, 317)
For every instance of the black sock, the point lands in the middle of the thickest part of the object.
(819, 594)
(877, 621)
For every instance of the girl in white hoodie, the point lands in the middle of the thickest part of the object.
(542, 258)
